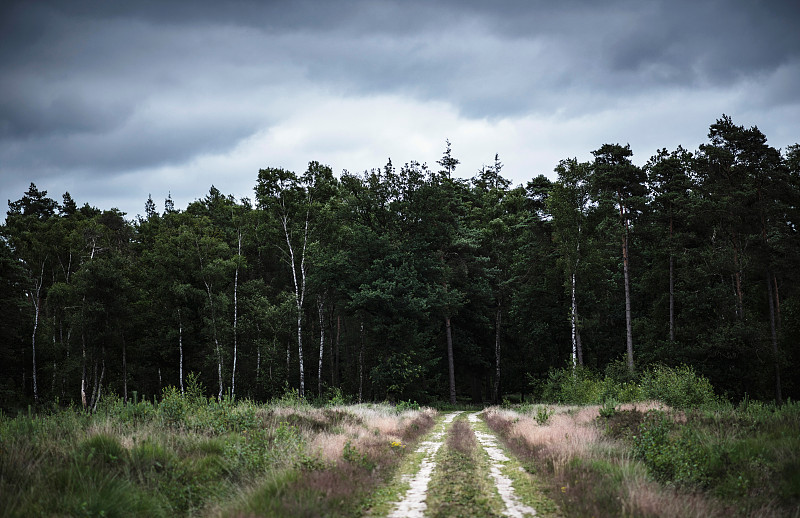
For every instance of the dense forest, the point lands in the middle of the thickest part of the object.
(411, 283)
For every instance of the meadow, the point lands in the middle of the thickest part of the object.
(664, 445)
(187, 455)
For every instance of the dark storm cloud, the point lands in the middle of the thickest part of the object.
(107, 86)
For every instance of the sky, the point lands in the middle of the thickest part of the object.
(114, 101)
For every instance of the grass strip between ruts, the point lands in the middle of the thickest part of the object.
(460, 485)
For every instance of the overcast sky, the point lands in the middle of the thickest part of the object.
(114, 100)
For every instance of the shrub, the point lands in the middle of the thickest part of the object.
(608, 408)
(402, 406)
(173, 406)
(578, 387)
(670, 455)
(678, 387)
(543, 415)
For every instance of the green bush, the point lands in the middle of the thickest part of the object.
(578, 387)
(173, 406)
(402, 406)
(543, 414)
(671, 455)
(678, 387)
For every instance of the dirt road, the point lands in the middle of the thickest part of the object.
(492, 461)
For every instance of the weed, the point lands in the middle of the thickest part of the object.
(608, 408)
(543, 415)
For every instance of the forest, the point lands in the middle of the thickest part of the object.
(411, 283)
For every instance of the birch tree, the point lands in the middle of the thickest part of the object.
(568, 204)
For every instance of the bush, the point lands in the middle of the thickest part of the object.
(578, 387)
(402, 406)
(678, 387)
(670, 455)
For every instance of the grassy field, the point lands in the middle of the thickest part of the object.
(189, 456)
(644, 459)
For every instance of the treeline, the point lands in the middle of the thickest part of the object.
(409, 283)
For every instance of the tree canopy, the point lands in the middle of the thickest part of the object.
(409, 283)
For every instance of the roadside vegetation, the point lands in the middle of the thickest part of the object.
(190, 456)
(660, 445)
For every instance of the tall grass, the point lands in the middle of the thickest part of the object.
(187, 454)
(645, 460)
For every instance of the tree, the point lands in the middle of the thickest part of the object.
(616, 180)
(293, 202)
(27, 225)
(568, 204)
(668, 177)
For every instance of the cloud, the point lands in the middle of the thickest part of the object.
(104, 97)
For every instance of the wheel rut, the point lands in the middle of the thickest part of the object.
(414, 502)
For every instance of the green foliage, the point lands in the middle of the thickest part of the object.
(402, 406)
(578, 387)
(608, 408)
(291, 398)
(351, 454)
(670, 455)
(335, 397)
(746, 454)
(679, 387)
(543, 414)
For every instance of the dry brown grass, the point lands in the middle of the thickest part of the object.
(374, 426)
(571, 434)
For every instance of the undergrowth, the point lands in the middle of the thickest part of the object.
(716, 461)
(187, 454)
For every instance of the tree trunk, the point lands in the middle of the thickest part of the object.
(299, 291)
(288, 360)
(235, 314)
(574, 319)
(450, 364)
(217, 348)
(335, 373)
(625, 269)
(83, 370)
(37, 303)
(321, 309)
(671, 299)
(99, 384)
(125, 371)
(671, 286)
(774, 333)
(497, 383)
(361, 365)
(300, 352)
(180, 349)
(738, 277)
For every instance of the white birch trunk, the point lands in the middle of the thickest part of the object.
(299, 290)
(574, 320)
(321, 308)
(36, 298)
(236, 313)
(83, 370)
